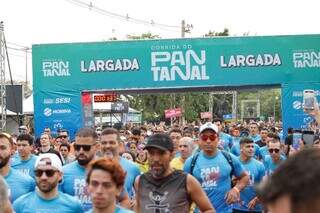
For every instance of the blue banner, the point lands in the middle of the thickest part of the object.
(292, 105)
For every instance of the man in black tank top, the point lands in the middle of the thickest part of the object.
(164, 190)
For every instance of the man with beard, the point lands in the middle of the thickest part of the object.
(163, 189)
(74, 174)
(4, 199)
(74, 178)
(109, 145)
(18, 183)
(46, 198)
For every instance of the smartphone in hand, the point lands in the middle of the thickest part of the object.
(308, 99)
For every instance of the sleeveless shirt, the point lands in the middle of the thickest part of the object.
(168, 195)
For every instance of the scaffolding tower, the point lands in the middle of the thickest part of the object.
(3, 105)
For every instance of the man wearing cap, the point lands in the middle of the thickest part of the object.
(18, 183)
(46, 198)
(26, 160)
(213, 169)
(163, 189)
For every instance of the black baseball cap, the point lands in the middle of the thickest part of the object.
(160, 141)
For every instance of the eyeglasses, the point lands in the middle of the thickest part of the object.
(274, 150)
(85, 148)
(211, 137)
(49, 172)
(63, 136)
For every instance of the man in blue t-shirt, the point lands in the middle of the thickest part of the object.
(236, 150)
(254, 132)
(225, 140)
(109, 147)
(272, 161)
(249, 201)
(74, 174)
(46, 198)
(26, 160)
(74, 177)
(213, 170)
(18, 183)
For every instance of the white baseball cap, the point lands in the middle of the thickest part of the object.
(207, 126)
(53, 160)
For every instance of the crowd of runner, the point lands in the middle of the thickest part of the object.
(209, 167)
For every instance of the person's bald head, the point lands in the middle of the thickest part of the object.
(185, 147)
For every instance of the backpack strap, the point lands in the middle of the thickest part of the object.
(194, 160)
(229, 159)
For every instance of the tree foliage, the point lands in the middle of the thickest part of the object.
(225, 32)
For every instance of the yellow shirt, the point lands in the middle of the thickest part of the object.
(143, 167)
(177, 163)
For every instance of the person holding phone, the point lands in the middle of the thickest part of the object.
(310, 105)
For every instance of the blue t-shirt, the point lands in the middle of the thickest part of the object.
(118, 209)
(225, 141)
(32, 202)
(132, 172)
(18, 184)
(74, 184)
(213, 173)
(236, 150)
(235, 140)
(256, 171)
(14, 157)
(25, 166)
(263, 152)
(281, 136)
(255, 138)
(270, 165)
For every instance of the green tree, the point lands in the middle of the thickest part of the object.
(270, 101)
(210, 34)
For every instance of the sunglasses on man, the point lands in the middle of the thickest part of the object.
(49, 172)
(206, 137)
(85, 148)
(274, 150)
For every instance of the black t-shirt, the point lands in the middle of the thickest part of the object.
(288, 140)
(260, 143)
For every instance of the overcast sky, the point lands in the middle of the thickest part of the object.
(28, 22)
